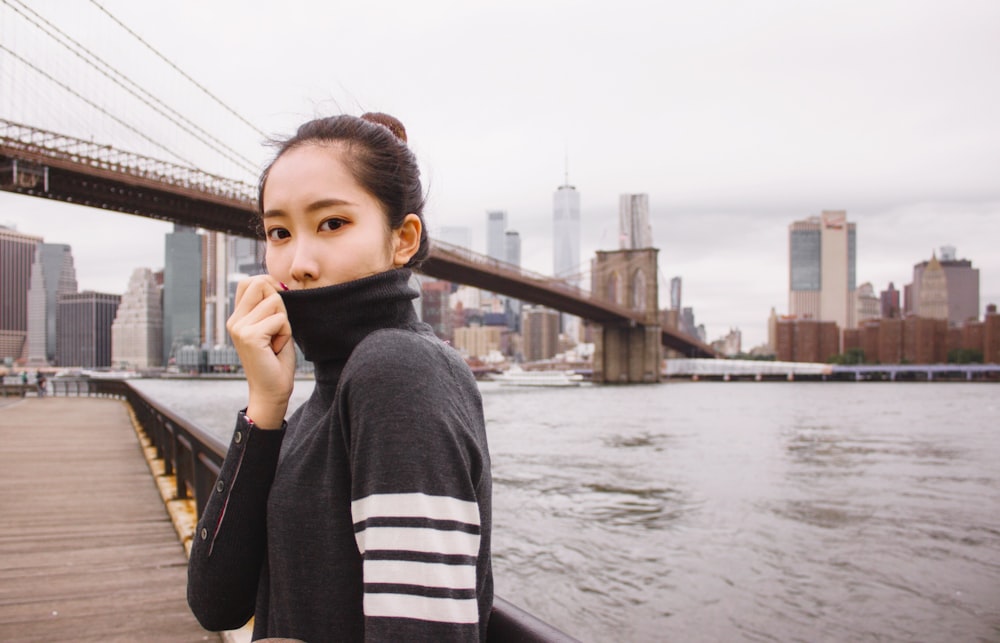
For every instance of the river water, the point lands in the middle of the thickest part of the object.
(728, 511)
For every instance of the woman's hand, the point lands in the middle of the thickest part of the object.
(263, 339)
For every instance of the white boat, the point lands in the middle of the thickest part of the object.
(108, 375)
(518, 377)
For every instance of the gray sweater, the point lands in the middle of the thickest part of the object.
(368, 517)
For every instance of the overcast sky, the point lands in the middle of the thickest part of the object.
(736, 118)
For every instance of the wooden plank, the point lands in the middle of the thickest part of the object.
(87, 550)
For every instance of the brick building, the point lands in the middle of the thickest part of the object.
(991, 336)
(806, 340)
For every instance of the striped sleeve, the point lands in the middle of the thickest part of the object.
(419, 554)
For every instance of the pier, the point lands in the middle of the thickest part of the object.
(87, 550)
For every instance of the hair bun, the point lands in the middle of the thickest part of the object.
(389, 122)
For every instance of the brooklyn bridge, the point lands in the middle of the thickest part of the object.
(58, 166)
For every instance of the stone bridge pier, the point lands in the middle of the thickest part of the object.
(629, 353)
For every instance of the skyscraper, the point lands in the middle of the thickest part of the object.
(244, 258)
(867, 304)
(889, 302)
(512, 255)
(821, 261)
(36, 313)
(84, 328)
(512, 248)
(496, 234)
(566, 247)
(182, 290)
(932, 298)
(675, 293)
(541, 333)
(17, 254)
(215, 278)
(633, 222)
(566, 233)
(137, 331)
(52, 275)
(961, 284)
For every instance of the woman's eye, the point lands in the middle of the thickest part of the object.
(331, 224)
(276, 234)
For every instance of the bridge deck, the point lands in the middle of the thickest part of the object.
(87, 550)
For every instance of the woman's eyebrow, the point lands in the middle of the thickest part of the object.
(326, 203)
(312, 207)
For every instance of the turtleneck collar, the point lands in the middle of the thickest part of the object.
(327, 323)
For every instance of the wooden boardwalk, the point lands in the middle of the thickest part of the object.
(87, 550)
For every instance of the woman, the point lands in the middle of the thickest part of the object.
(367, 515)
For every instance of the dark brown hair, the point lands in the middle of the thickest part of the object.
(378, 159)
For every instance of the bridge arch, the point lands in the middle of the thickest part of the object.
(615, 290)
(638, 288)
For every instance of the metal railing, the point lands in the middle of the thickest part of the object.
(36, 141)
(195, 457)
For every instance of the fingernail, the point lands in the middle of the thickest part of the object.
(283, 286)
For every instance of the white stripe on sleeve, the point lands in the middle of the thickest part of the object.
(402, 572)
(445, 610)
(415, 505)
(433, 541)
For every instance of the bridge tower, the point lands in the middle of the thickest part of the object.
(628, 353)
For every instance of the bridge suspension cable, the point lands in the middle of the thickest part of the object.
(179, 70)
(121, 122)
(130, 86)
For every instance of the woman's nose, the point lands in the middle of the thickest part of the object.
(305, 264)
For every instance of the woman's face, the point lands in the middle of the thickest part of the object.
(322, 228)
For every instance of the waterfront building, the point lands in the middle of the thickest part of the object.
(890, 341)
(925, 341)
(889, 300)
(821, 265)
(83, 326)
(991, 335)
(806, 340)
(970, 336)
(182, 290)
(17, 254)
(913, 340)
(540, 333)
(961, 284)
(634, 229)
(137, 331)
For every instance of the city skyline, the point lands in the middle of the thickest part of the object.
(884, 111)
(97, 264)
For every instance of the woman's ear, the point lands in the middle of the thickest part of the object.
(406, 240)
